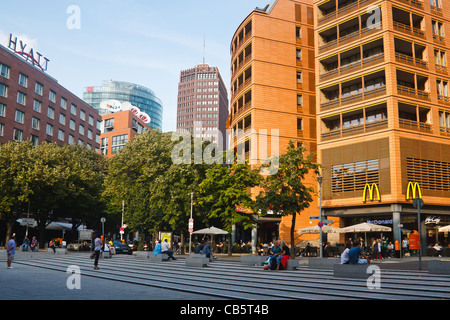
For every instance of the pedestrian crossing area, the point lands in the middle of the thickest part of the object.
(227, 279)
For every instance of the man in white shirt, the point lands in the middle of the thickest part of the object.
(165, 248)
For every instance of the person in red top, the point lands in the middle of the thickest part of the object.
(285, 255)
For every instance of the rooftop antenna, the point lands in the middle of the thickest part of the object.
(204, 49)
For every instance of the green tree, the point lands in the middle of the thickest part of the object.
(14, 161)
(223, 190)
(283, 189)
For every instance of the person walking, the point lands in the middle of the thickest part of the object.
(97, 249)
(10, 250)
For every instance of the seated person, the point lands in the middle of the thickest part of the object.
(165, 248)
(199, 247)
(344, 255)
(34, 245)
(438, 250)
(207, 250)
(157, 248)
(285, 256)
(354, 254)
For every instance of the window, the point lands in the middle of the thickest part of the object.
(2, 129)
(35, 123)
(62, 119)
(39, 88)
(73, 109)
(3, 90)
(23, 80)
(34, 140)
(21, 98)
(81, 129)
(17, 135)
(438, 30)
(37, 105)
(60, 135)
(52, 96)
(104, 146)
(299, 54)
(72, 124)
(299, 77)
(71, 139)
(299, 100)
(49, 129)
(91, 120)
(2, 110)
(4, 71)
(51, 113)
(299, 124)
(19, 116)
(109, 125)
(82, 115)
(298, 32)
(90, 134)
(63, 103)
(118, 142)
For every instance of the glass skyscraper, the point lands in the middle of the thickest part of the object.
(139, 96)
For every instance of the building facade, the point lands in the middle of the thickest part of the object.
(202, 105)
(139, 96)
(35, 106)
(383, 113)
(117, 129)
(273, 94)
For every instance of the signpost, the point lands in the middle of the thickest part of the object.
(191, 224)
(418, 204)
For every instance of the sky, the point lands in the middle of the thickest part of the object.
(147, 42)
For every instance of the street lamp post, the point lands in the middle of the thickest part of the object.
(319, 180)
(191, 224)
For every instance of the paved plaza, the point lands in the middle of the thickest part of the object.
(44, 276)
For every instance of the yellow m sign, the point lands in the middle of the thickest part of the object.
(371, 189)
(416, 192)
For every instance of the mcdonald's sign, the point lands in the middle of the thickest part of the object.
(416, 192)
(371, 189)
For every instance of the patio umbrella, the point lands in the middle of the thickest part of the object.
(445, 229)
(211, 231)
(316, 229)
(366, 227)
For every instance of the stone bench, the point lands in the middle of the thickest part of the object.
(324, 263)
(253, 260)
(58, 250)
(292, 264)
(158, 258)
(438, 267)
(359, 271)
(143, 254)
(197, 260)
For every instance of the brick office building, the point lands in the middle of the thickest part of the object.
(202, 104)
(33, 105)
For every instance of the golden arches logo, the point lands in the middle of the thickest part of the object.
(416, 192)
(371, 189)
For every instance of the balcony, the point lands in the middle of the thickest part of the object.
(415, 125)
(408, 29)
(412, 92)
(330, 13)
(414, 3)
(351, 37)
(353, 98)
(355, 122)
(351, 67)
(415, 62)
